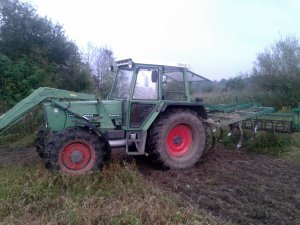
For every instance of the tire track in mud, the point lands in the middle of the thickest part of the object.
(241, 187)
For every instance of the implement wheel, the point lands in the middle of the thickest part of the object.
(75, 151)
(177, 139)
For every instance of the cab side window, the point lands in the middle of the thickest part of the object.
(173, 85)
(146, 86)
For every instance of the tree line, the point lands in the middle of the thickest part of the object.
(274, 79)
(36, 52)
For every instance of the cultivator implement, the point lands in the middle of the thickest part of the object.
(276, 122)
(251, 116)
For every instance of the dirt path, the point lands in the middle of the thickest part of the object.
(17, 156)
(236, 186)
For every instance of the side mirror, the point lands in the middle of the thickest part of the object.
(154, 76)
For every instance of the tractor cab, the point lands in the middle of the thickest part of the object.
(148, 90)
(153, 82)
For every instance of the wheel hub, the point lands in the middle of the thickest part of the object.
(177, 140)
(76, 156)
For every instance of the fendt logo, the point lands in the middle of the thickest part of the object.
(46, 93)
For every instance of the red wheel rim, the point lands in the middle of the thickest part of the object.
(179, 140)
(77, 157)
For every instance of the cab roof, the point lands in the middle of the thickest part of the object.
(169, 67)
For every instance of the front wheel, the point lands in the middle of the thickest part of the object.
(75, 151)
(177, 139)
(40, 141)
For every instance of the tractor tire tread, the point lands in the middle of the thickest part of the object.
(58, 140)
(155, 142)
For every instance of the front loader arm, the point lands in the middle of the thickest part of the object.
(41, 94)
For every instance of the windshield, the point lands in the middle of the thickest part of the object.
(122, 84)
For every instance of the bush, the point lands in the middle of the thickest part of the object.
(24, 132)
(270, 143)
(264, 142)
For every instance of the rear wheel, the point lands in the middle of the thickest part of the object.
(75, 151)
(177, 140)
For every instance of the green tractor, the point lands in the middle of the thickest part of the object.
(150, 111)
(153, 110)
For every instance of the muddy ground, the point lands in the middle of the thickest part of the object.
(236, 186)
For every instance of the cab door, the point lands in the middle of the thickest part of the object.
(145, 96)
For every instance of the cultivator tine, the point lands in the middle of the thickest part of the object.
(238, 126)
(221, 134)
(231, 127)
(254, 129)
(241, 135)
(213, 139)
(213, 127)
(210, 144)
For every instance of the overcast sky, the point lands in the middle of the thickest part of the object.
(218, 38)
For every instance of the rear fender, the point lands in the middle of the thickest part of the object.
(197, 108)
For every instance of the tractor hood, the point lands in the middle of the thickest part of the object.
(106, 114)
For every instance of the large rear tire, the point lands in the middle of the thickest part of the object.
(75, 151)
(177, 139)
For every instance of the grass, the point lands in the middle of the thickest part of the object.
(24, 132)
(221, 97)
(294, 149)
(285, 146)
(22, 140)
(117, 195)
(270, 143)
